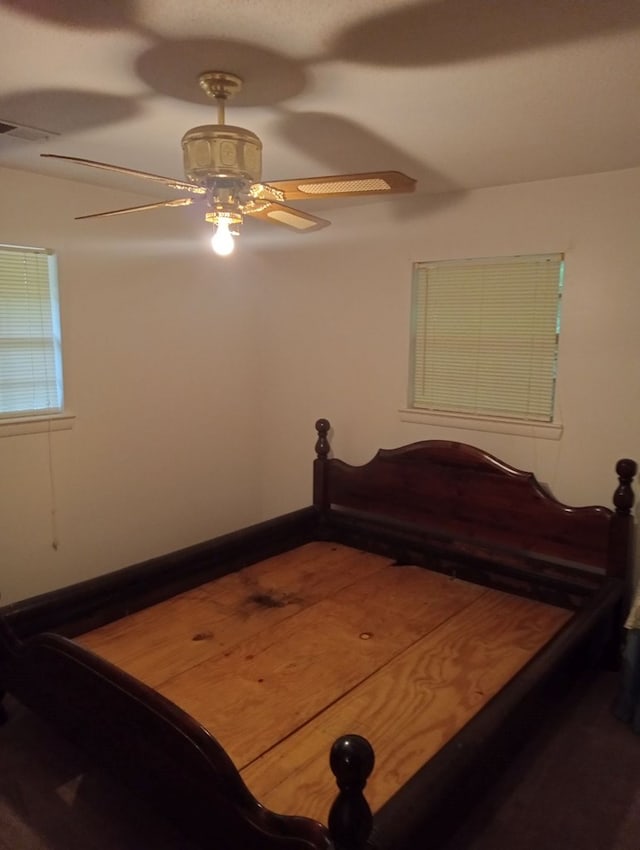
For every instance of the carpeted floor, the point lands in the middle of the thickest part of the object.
(576, 785)
(51, 798)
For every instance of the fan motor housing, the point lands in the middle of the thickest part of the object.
(221, 150)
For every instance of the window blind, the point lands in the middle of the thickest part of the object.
(30, 353)
(485, 336)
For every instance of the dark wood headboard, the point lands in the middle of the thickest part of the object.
(456, 491)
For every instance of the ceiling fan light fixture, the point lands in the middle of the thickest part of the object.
(223, 165)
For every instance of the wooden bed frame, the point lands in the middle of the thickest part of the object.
(444, 506)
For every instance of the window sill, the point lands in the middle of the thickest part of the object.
(14, 426)
(540, 430)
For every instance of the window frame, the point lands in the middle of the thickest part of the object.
(497, 422)
(53, 415)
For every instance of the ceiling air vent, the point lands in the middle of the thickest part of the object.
(27, 134)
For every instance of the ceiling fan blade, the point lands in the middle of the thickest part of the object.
(181, 185)
(177, 202)
(289, 216)
(367, 183)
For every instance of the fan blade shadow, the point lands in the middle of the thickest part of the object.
(446, 31)
(66, 110)
(96, 15)
(342, 145)
(171, 68)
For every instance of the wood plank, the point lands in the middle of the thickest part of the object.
(162, 640)
(411, 707)
(269, 685)
(168, 638)
(411, 593)
(298, 577)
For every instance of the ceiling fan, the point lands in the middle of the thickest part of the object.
(223, 170)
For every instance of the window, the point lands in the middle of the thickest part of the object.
(485, 336)
(30, 350)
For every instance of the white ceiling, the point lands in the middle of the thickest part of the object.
(457, 93)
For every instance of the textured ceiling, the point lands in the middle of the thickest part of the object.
(457, 93)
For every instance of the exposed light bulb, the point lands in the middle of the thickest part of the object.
(222, 240)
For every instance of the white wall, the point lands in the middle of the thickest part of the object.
(196, 383)
(340, 309)
(159, 370)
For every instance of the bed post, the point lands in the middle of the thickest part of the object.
(8, 646)
(350, 818)
(320, 498)
(620, 548)
(619, 559)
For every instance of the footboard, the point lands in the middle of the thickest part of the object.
(148, 743)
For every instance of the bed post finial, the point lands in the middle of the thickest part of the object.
(350, 818)
(623, 497)
(322, 445)
(320, 466)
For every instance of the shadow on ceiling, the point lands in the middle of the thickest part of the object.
(445, 31)
(65, 110)
(171, 68)
(345, 146)
(424, 33)
(93, 14)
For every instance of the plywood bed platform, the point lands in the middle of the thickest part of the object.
(281, 658)
(427, 603)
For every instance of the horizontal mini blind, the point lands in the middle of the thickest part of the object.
(485, 336)
(30, 354)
